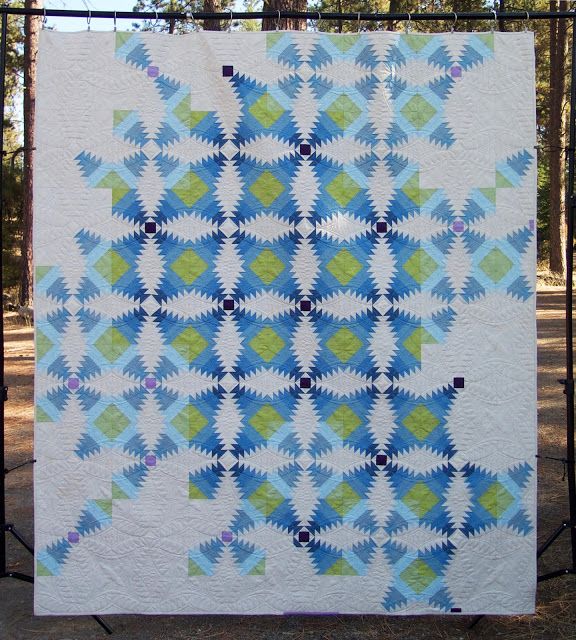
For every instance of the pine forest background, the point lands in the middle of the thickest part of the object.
(553, 45)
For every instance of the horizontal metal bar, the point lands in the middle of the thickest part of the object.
(304, 15)
(17, 576)
(555, 574)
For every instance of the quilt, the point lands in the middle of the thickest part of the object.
(285, 323)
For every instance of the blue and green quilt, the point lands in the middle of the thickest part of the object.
(285, 323)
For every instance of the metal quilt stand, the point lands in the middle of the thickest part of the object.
(567, 525)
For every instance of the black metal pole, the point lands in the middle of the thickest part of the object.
(3, 35)
(569, 382)
(304, 15)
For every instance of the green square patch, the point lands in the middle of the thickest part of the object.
(267, 344)
(189, 422)
(266, 421)
(189, 344)
(189, 266)
(344, 344)
(418, 575)
(266, 498)
(112, 422)
(343, 421)
(112, 344)
(343, 498)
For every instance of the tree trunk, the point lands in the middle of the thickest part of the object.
(394, 8)
(285, 24)
(556, 140)
(212, 6)
(31, 30)
(501, 22)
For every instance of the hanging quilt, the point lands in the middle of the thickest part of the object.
(285, 323)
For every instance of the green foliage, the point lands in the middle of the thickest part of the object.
(12, 161)
(11, 223)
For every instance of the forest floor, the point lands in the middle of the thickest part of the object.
(555, 617)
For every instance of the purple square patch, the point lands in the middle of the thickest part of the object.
(73, 383)
(152, 72)
(305, 305)
(227, 536)
(305, 383)
(304, 536)
(150, 461)
(73, 537)
(531, 225)
(381, 227)
(150, 227)
(381, 459)
(458, 383)
(305, 150)
(227, 71)
(228, 304)
(456, 72)
(458, 226)
(150, 383)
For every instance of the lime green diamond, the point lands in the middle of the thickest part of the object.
(418, 111)
(266, 498)
(42, 272)
(416, 339)
(344, 344)
(120, 115)
(112, 422)
(266, 421)
(343, 421)
(420, 499)
(344, 42)
(42, 415)
(186, 116)
(496, 265)
(343, 498)
(343, 189)
(416, 42)
(189, 344)
(194, 569)
(487, 39)
(418, 575)
(502, 181)
(122, 38)
(42, 570)
(258, 569)
(118, 493)
(190, 188)
(344, 266)
(267, 266)
(267, 110)
(114, 182)
(195, 493)
(341, 568)
(496, 499)
(420, 266)
(489, 193)
(421, 422)
(43, 344)
(112, 266)
(189, 266)
(266, 188)
(112, 344)
(412, 190)
(189, 422)
(272, 39)
(267, 343)
(343, 111)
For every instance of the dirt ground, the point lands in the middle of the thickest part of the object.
(556, 612)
